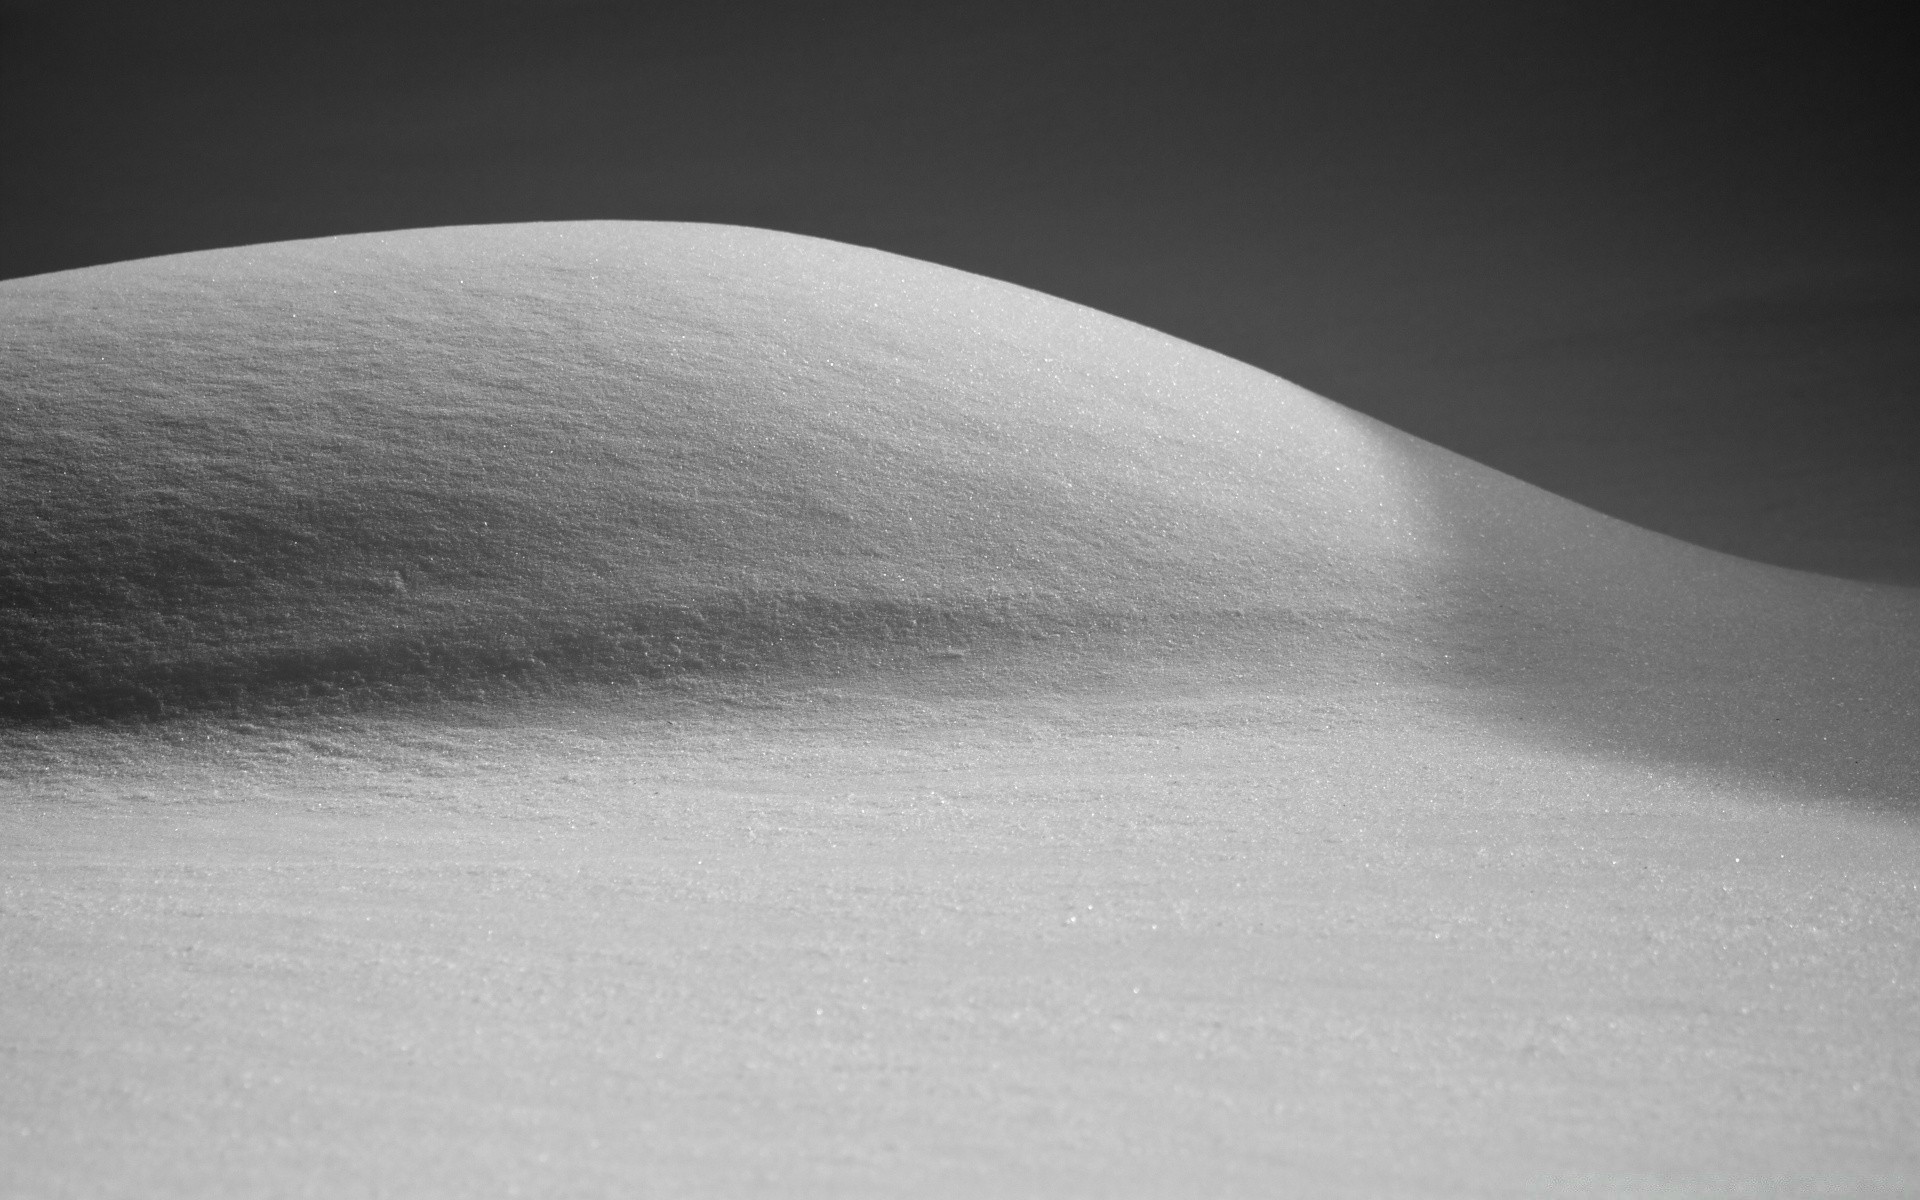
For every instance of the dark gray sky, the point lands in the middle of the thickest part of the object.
(1665, 262)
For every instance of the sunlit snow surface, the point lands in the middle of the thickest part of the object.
(693, 709)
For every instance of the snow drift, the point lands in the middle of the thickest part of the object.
(449, 461)
(473, 452)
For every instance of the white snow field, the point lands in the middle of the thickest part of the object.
(622, 708)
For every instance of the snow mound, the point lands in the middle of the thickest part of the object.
(441, 461)
(626, 448)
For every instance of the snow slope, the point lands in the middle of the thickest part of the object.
(459, 452)
(703, 710)
(438, 462)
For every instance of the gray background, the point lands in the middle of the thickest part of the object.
(1662, 262)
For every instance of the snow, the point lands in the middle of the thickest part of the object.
(702, 709)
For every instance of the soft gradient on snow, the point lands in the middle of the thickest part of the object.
(691, 707)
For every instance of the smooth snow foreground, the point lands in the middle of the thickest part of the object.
(593, 707)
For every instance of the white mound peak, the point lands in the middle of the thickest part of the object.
(423, 461)
(574, 423)
(960, 743)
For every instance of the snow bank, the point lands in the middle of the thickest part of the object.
(445, 461)
(634, 448)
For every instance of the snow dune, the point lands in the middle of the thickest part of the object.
(460, 461)
(465, 453)
(700, 709)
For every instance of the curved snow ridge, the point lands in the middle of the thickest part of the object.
(417, 461)
(449, 461)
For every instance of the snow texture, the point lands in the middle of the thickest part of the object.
(585, 706)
